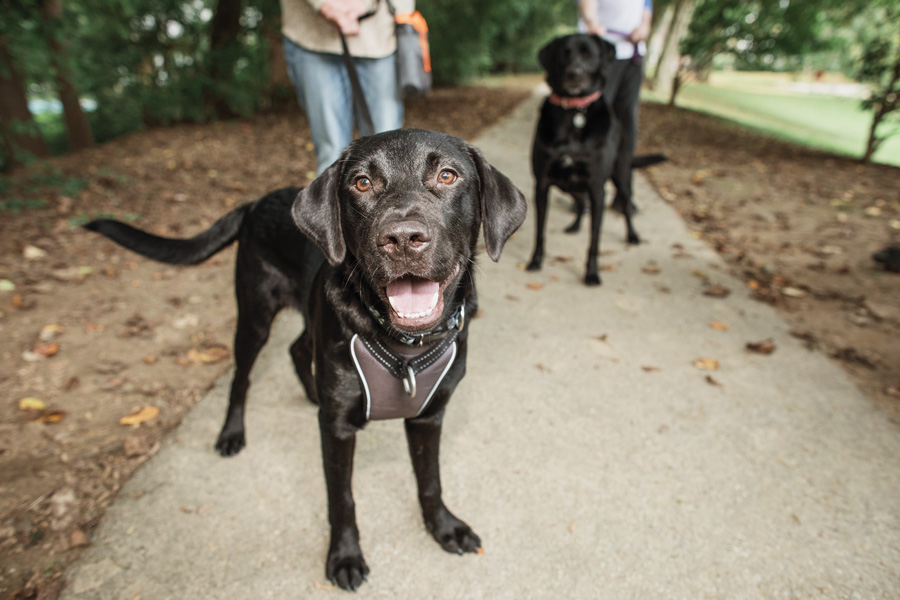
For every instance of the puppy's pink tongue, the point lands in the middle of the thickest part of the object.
(413, 296)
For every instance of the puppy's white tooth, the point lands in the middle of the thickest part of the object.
(393, 305)
(434, 301)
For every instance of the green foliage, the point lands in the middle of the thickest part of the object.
(759, 34)
(144, 62)
(471, 37)
(32, 189)
(17, 205)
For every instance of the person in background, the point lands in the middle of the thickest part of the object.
(313, 52)
(625, 24)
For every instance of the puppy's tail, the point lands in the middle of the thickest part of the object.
(170, 250)
(646, 160)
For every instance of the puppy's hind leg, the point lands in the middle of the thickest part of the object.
(256, 311)
(301, 354)
(579, 206)
(424, 438)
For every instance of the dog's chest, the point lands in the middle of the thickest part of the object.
(399, 381)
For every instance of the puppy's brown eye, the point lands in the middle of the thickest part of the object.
(447, 177)
(363, 184)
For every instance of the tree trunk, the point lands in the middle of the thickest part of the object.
(670, 56)
(77, 125)
(889, 102)
(18, 132)
(659, 30)
(278, 74)
(874, 141)
(223, 37)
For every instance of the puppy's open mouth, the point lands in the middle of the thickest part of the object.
(417, 303)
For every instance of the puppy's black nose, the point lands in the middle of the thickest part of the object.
(404, 239)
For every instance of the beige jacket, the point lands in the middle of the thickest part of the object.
(303, 24)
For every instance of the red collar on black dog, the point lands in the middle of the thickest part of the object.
(575, 102)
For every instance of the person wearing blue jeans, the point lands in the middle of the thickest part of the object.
(626, 25)
(313, 52)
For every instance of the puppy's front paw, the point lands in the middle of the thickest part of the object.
(634, 239)
(535, 264)
(592, 279)
(231, 443)
(346, 572)
(453, 535)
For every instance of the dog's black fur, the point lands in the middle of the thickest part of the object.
(578, 160)
(889, 258)
(408, 203)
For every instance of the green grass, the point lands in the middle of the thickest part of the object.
(761, 102)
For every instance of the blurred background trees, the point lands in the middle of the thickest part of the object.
(76, 72)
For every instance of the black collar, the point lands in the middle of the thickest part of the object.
(455, 321)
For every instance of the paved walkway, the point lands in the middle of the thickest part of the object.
(590, 455)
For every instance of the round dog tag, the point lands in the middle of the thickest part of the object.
(579, 120)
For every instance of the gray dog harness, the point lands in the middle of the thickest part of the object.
(398, 378)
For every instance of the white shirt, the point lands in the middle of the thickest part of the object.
(620, 17)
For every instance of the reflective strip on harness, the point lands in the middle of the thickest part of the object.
(385, 396)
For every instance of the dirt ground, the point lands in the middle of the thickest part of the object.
(91, 334)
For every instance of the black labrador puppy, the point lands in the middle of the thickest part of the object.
(577, 139)
(377, 253)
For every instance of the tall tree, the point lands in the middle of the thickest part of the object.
(77, 124)
(663, 78)
(879, 66)
(18, 132)
(224, 51)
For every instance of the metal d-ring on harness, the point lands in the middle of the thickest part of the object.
(406, 369)
(399, 374)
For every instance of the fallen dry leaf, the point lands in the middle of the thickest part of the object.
(716, 291)
(718, 326)
(763, 347)
(146, 413)
(649, 369)
(51, 416)
(532, 285)
(208, 356)
(711, 381)
(651, 270)
(707, 364)
(78, 539)
(46, 349)
(31, 404)
(609, 268)
(793, 292)
(33, 253)
(50, 332)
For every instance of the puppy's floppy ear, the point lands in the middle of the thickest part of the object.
(316, 212)
(503, 206)
(545, 54)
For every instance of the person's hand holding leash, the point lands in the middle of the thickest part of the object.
(345, 14)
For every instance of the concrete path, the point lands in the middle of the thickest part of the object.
(584, 447)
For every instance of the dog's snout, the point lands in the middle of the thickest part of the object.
(403, 239)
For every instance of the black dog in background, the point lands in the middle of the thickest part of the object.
(577, 140)
(383, 268)
(889, 258)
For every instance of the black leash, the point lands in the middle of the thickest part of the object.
(364, 117)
